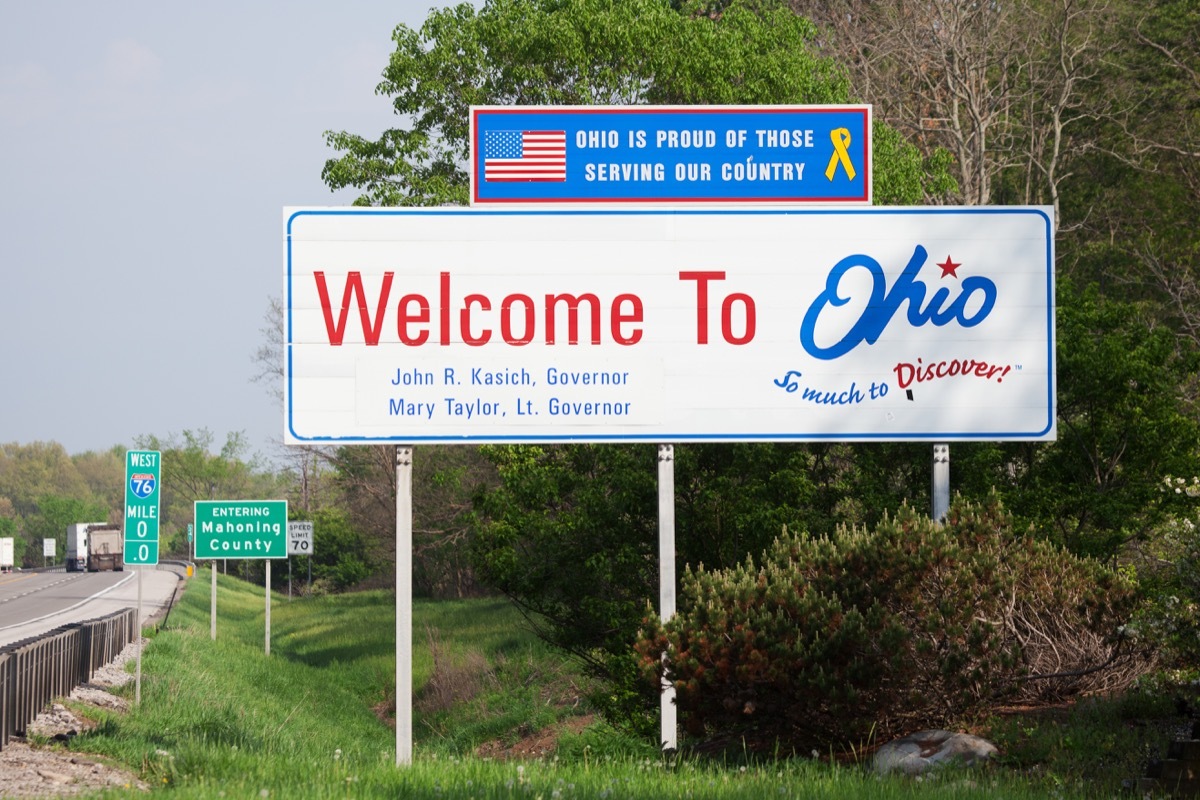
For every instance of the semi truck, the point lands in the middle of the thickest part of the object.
(106, 549)
(77, 543)
(6, 554)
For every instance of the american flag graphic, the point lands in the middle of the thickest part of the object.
(524, 156)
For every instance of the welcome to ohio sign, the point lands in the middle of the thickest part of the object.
(669, 325)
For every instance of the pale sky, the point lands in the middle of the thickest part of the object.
(147, 152)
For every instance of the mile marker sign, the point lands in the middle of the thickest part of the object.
(142, 471)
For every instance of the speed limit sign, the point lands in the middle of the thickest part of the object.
(300, 539)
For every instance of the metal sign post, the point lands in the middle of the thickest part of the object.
(212, 612)
(267, 646)
(666, 585)
(940, 493)
(137, 687)
(404, 509)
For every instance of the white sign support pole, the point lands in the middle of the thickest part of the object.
(666, 584)
(137, 686)
(212, 613)
(404, 740)
(268, 633)
(940, 494)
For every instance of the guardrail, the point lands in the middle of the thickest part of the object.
(34, 671)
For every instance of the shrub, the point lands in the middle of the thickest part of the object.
(909, 625)
(1167, 564)
(340, 557)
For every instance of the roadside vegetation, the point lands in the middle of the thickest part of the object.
(498, 715)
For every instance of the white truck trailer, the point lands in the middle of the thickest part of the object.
(6, 554)
(77, 544)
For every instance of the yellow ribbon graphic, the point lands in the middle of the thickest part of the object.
(841, 140)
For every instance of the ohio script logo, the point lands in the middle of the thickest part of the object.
(970, 305)
(942, 308)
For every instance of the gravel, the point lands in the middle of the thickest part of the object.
(48, 768)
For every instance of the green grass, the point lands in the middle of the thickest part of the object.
(1094, 743)
(222, 719)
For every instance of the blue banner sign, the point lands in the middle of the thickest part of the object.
(671, 154)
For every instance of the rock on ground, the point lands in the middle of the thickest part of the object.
(923, 751)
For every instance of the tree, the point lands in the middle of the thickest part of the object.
(340, 554)
(32, 471)
(552, 52)
(586, 52)
(445, 477)
(1122, 428)
(104, 475)
(308, 464)
(54, 513)
(1010, 89)
(1142, 194)
(569, 536)
(360, 483)
(42, 490)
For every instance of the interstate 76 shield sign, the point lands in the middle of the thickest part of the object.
(142, 471)
(669, 325)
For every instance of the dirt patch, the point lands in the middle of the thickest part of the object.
(454, 680)
(53, 772)
(535, 745)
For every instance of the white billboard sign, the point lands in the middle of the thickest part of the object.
(668, 325)
(48, 548)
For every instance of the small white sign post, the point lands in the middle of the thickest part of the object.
(299, 543)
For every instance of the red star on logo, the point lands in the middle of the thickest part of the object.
(949, 267)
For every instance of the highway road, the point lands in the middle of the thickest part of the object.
(32, 603)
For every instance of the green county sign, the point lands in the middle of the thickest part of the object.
(241, 528)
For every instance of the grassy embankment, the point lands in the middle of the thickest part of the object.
(222, 719)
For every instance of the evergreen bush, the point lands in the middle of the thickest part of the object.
(832, 640)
